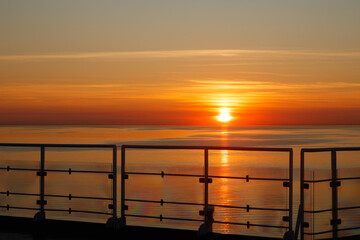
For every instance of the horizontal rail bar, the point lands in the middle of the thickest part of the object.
(78, 211)
(21, 194)
(318, 233)
(144, 147)
(20, 169)
(54, 170)
(57, 210)
(317, 181)
(251, 224)
(348, 178)
(209, 148)
(330, 179)
(164, 174)
(164, 202)
(328, 210)
(346, 229)
(318, 211)
(251, 178)
(77, 171)
(210, 176)
(166, 218)
(338, 149)
(78, 197)
(251, 208)
(201, 204)
(347, 208)
(22, 208)
(58, 145)
(54, 195)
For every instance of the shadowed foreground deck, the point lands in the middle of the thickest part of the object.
(27, 229)
(17, 228)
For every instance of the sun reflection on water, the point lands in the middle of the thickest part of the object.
(224, 158)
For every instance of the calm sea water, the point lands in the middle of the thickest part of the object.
(223, 191)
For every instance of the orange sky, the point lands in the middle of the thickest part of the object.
(145, 72)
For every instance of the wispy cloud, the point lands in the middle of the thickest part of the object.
(266, 85)
(242, 93)
(176, 54)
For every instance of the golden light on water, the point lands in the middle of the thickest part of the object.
(224, 115)
(224, 158)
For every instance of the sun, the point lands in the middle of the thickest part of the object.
(224, 115)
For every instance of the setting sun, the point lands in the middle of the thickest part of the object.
(224, 115)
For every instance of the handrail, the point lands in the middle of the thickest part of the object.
(41, 172)
(206, 179)
(334, 184)
(337, 149)
(8, 168)
(261, 149)
(57, 145)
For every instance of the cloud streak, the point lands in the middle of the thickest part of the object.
(176, 54)
(265, 85)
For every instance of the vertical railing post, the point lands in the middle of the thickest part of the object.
(291, 191)
(41, 215)
(208, 211)
(114, 181)
(334, 195)
(302, 195)
(114, 222)
(206, 188)
(42, 179)
(123, 177)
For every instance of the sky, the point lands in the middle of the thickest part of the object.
(167, 62)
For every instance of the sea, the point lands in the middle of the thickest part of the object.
(241, 206)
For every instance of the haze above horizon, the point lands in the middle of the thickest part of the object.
(180, 62)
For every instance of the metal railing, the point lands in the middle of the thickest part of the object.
(335, 182)
(206, 179)
(41, 172)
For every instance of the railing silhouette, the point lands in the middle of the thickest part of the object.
(42, 173)
(334, 182)
(206, 179)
